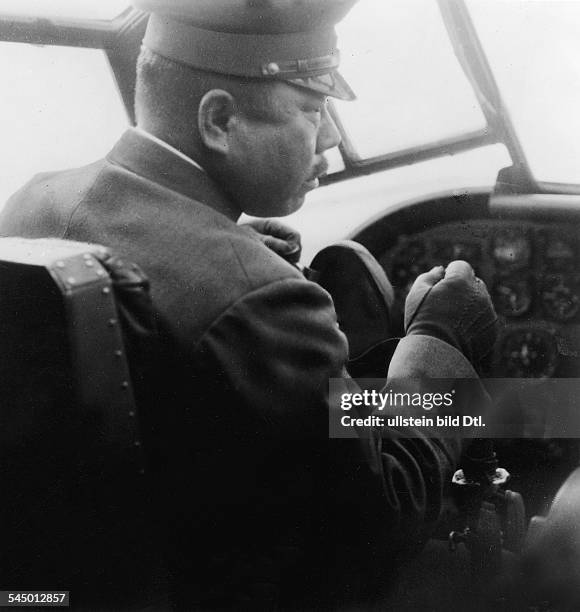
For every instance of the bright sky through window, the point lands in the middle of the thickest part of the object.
(411, 90)
(59, 108)
(533, 49)
(75, 9)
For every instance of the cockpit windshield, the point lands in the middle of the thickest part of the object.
(410, 86)
(533, 50)
(432, 78)
(64, 9)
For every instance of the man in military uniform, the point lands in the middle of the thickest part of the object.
(262, 509)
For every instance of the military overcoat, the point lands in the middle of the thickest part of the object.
(260, 505)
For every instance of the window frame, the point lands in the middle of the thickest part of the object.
(120, 38)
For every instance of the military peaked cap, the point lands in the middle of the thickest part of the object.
(291, 40)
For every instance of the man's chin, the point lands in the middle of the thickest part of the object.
(296, 203)
(273, 208)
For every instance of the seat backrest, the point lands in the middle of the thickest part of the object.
(72, 466)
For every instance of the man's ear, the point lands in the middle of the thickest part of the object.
(216, 118)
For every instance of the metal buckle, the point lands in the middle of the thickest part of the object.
(309, 66)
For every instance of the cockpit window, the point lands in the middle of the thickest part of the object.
(533, 50)
(71, 9)
(411, 90)
(59, 108)
(414, 98)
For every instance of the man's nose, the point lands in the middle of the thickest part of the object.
(328, 134)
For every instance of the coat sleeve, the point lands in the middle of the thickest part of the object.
(276, 350)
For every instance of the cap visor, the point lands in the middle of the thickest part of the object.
(329, 84)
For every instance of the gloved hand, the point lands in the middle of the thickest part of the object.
(278, 237)
(453, 305)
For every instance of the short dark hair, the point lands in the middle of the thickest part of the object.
(169, 92)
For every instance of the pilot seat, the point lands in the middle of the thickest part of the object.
(76, 511)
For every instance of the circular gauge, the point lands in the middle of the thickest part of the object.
(529, 354)
(512, 298)
(511, 249)
(560, 298)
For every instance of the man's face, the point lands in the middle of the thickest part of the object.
(277, 153)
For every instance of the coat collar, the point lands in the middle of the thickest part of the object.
(145, 157)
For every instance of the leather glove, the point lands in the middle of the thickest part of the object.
(278, 237)
(453, 305)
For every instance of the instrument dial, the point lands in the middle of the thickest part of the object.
(529, 354)
(560, 297)
(512, 298)
(511, 250)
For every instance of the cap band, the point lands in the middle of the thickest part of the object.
(250, 55)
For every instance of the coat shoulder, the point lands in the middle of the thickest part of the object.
(227, 265)
(43, 206)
